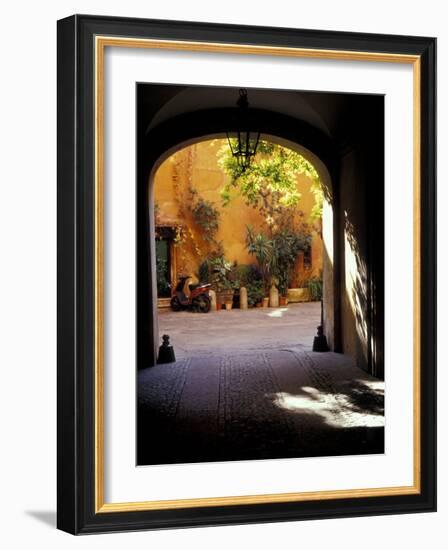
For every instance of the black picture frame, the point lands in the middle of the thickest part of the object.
(76, 475)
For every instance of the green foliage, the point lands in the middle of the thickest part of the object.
(238, 275)
(247, 274)
(234, 276)
(318, 192)
(277, 255)
(269, 184)
(206, 216)
(216, 270)
(287, 245)
(225, 276)
(250, 277)
(315, 286)
(260, 246)
(163, 285)
(255, 292)
(204, 272)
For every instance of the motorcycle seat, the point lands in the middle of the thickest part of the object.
(193, 286)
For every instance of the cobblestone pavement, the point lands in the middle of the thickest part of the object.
(264, 395)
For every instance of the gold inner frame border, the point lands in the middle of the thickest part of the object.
(101, 42)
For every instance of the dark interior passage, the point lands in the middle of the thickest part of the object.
(257, 405)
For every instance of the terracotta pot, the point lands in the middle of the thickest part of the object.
(228, 306)
(259, 304)
(265, 302)
(223, 296)
(283, 300)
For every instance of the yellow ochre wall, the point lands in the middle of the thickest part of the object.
(197, 165)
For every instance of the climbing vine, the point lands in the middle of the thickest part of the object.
(206, 216)
(194, 211)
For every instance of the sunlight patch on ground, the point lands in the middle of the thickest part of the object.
(337, 410)
(277, 312)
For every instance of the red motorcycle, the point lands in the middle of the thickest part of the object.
(198, 300)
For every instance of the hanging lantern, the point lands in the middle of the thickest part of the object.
(243, 143)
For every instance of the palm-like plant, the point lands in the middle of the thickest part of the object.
(287, 245)
(276, 256)
(260, 246)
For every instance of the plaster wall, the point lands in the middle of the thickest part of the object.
(354, 306)
(197, 165)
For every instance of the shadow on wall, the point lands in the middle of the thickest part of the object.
(356, 293)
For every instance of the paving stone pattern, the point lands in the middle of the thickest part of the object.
(269, 403)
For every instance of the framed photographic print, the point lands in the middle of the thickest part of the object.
(246, 274)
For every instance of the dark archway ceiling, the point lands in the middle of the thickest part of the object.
(323, 111)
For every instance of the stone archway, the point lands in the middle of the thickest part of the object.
(327, 221)
(176, 134)
(345, 142)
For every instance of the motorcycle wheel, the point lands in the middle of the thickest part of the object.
(202, 304)
(175, 304)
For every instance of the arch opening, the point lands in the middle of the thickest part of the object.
(179, 247)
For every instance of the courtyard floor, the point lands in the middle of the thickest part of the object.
(236, 330)
(246, 385)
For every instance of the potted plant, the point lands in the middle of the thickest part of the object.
(301, 293)
(315, 286)
(224, 294)
(260, 246)
(219, 277)
(249, 276)
(236, 276)
(255, 293)
(283, 285)
(287, 244)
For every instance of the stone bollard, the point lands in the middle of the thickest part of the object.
(273, 296)
(166, 351)
(243, 297)
(212, 294)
